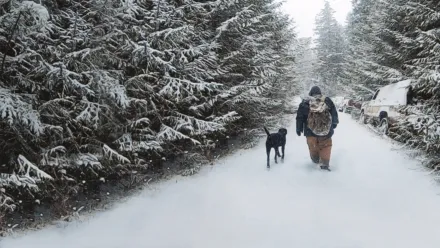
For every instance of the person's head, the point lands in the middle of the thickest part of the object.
(315, 90)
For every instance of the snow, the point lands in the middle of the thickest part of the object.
(338, 100)
(394, 94)
(297, 100)
(375, 196)
(16, 111)
(40, 13)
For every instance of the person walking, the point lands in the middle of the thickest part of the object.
(317, 118)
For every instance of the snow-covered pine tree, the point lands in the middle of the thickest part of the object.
(330, 50)
(176, 88)
(306, 62)
(378, 43)
(62, 81)
(255, 44)
(363, 71)
(284, 45)
(395, 40)
(21, 126)
(415, 31)
(92, 88)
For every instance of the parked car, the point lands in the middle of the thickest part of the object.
(341, 105)
(382, 109)
(348, 105)
(345, 106)
(338, 100)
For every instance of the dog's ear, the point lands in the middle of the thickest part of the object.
(283, 131)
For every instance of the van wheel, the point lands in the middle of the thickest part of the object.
(383, 126)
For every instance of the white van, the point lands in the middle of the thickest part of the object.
(382, 109)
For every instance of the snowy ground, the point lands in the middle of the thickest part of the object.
(374, 197)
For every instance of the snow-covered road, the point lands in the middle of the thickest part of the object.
(374, 197)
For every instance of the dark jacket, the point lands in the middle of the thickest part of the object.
(303, 113)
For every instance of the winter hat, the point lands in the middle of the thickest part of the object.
(315, 91)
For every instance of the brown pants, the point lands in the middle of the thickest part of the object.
(320, 149)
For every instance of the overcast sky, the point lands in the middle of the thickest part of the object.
(304, 12)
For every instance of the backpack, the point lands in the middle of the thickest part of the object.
(319, 119)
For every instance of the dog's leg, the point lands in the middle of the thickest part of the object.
(276, 154)
(278, 151)
(282, 149)
(268, 155)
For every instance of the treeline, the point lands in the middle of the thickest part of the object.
(394, 40)
(95, 89)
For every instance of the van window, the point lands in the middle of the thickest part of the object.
(375, 95)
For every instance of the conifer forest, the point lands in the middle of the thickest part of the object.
(100, 96)
(94, 91)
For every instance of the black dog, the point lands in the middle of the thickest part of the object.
(274, 141)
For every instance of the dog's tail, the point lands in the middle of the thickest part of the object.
(267, 131)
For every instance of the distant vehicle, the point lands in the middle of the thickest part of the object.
(348, 105)
(382, 109)
(345, 106)
(338, 100)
